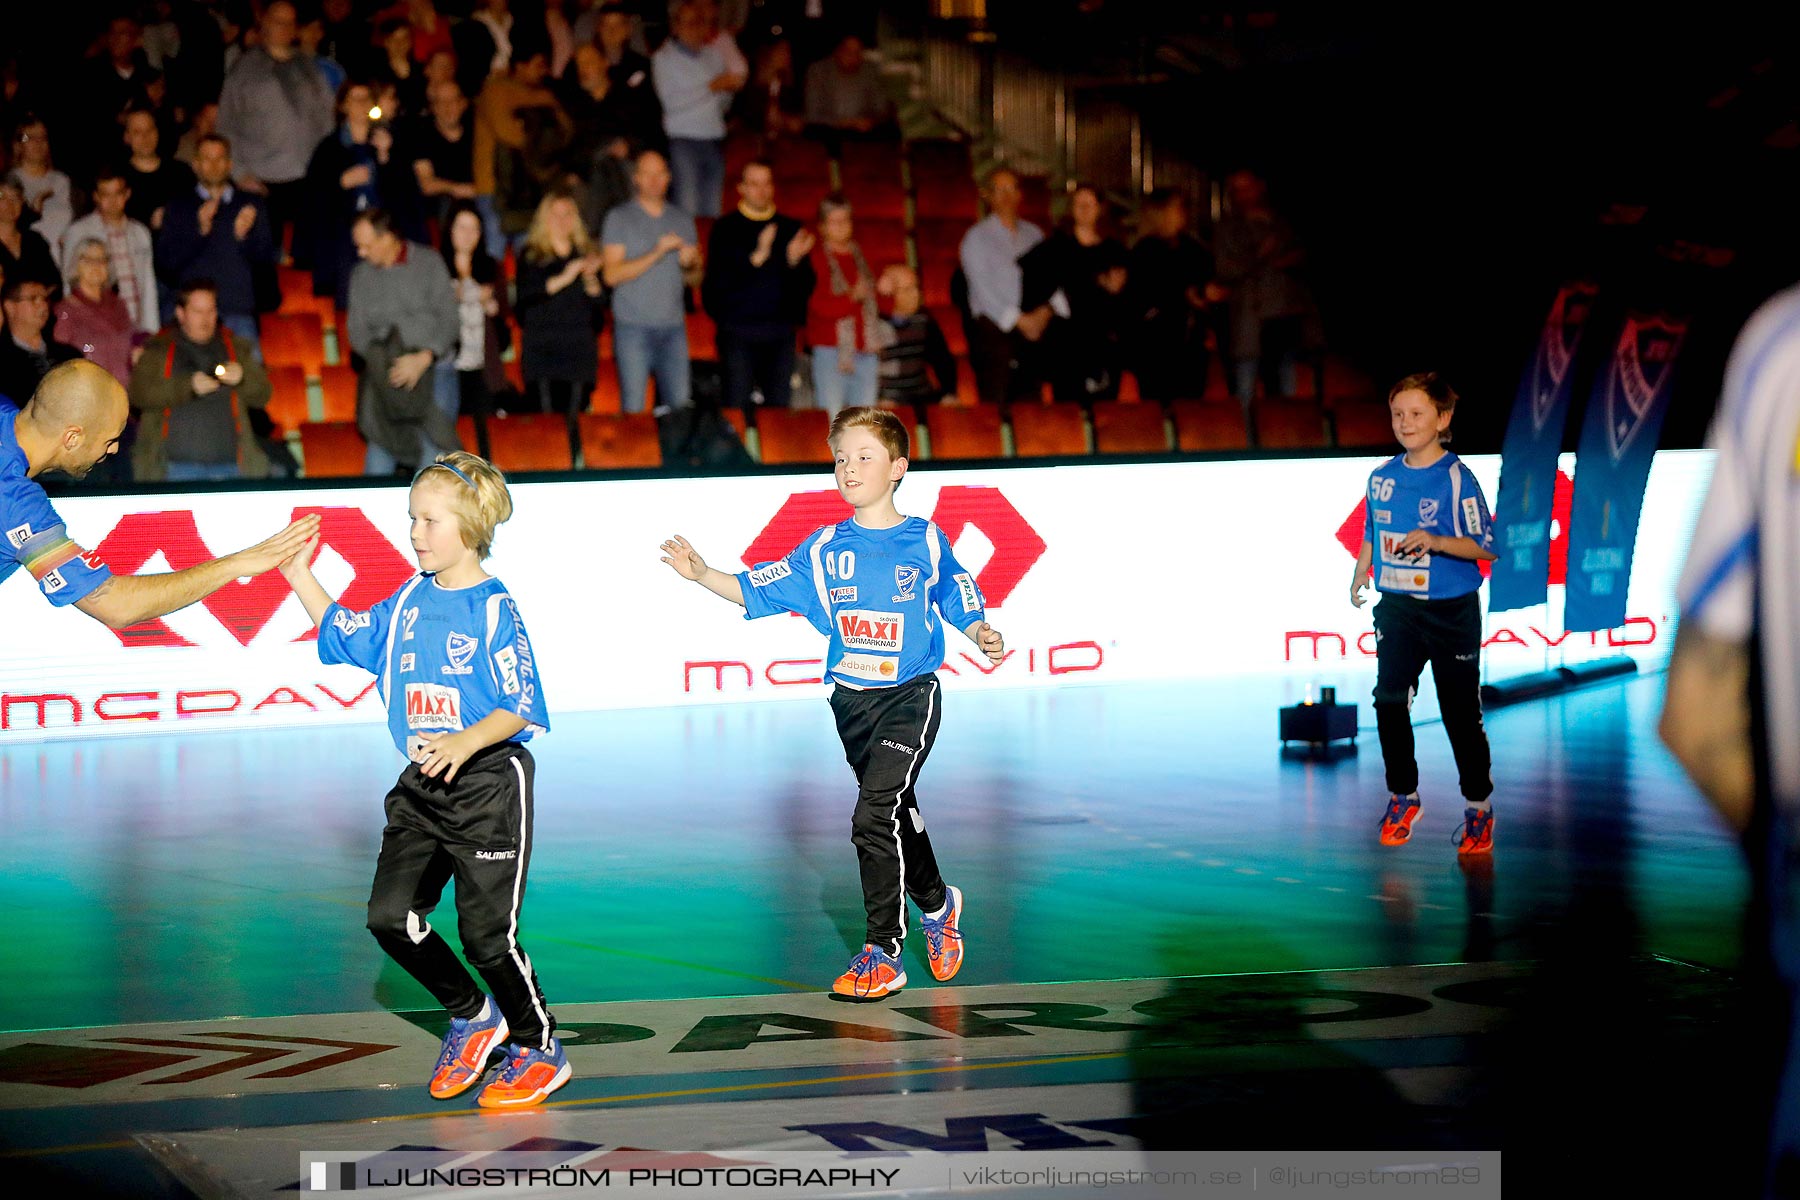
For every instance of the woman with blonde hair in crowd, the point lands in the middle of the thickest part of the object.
(92, 318)
(560, 306)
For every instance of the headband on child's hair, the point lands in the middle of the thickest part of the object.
(446, 466)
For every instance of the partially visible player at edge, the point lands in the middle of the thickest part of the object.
(460, 682)
(72, 423)
(1431, 521)
(871, 584)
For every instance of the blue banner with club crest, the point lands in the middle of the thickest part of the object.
(1625, 416)
(1534, 434)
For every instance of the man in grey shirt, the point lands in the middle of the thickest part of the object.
(651, 256)
(403, 318)
(276, 109)
(845, 98)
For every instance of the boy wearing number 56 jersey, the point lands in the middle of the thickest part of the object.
(1427, 530)
(881, 586)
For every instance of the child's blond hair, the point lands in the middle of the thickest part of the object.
(480, 498)
(883, 424)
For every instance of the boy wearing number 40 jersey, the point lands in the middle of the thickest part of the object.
(881, 586)
(1430, 521)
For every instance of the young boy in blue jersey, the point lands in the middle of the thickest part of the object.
(871, 584)
(1430, 521)
(463, 696)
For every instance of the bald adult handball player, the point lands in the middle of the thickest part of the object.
(72, 423)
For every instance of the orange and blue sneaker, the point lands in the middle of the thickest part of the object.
(1397, 822)
(530, 1074)
(1476, 834)
(873, 974)
(943, 940)
(466, 1050)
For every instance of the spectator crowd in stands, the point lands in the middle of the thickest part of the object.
(448, 172)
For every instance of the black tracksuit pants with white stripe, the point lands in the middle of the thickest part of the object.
(476, 830)
(887, 735)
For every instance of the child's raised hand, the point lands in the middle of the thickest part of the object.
(684, 558)
(297, 566)
(990, 642)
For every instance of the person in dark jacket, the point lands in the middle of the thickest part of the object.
(196, 390)
(354, 168)
(1080, 273)
(220, 234)
(759, 274)
(560, 306)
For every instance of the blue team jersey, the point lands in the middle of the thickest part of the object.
(1443, 499)
(35, 537)
(872, 592)
(444, 658)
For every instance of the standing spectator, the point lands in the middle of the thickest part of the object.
(633, 77)
(131, 261)
(1172, 294)
(759, 276)
(560, 308)
(92, 317)
(402, 320)
(196, 386)
(397, 68)
(719, 38)
(599, 154)
(917, 367)
(26, 352)
(352, 170)
(152, 179)
(23, 254)
(520, 133)
(1079, 271)
(1273, 318)
(114, 81)
(46, 189)
(1003, 337)
(845, 97)
(651, 256)
(772, 105)
(311, 36)
(206, 120)
(430, 29)
(843, 326)
(484, 43)
(1732, 710)
(217, 233)
(443, 151)
(468, 381)
(348, 40)
(275, 108)
(695, 85)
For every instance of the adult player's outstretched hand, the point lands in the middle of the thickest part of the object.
(684, 558)
(991, 643)
(278, 549)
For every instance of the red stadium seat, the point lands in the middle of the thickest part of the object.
(1289, 424)
(702, 337)
(530, 442)
(338, 387)
(883, 241)
(793, 435)
(288, 406)
(1048, 430)
(934, 279)
(939, 238)
(1121, 428)
(331, 450)
(1364, 426)
(295, 339)
(613, 440)
(959, 432)
(1200, 426)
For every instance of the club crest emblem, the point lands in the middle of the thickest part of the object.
(1639, 376)
(905, 578)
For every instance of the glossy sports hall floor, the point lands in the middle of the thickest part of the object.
(1178, 937)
